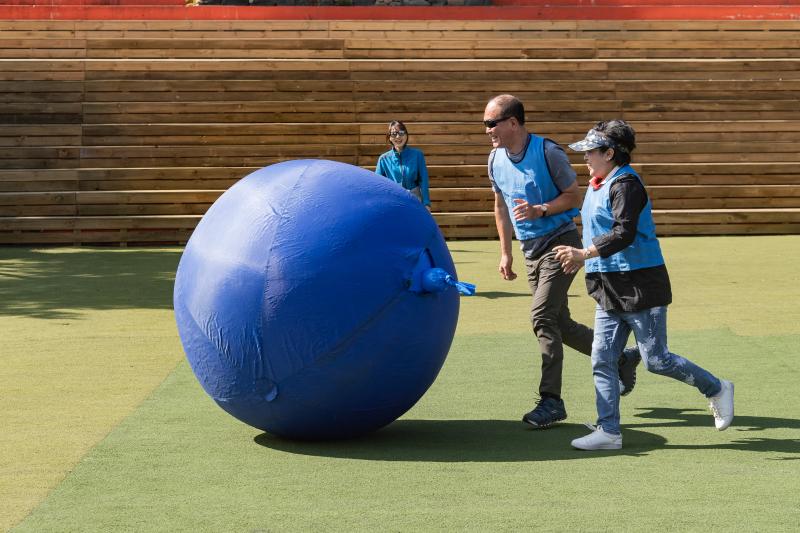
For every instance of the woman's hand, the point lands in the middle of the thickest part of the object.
(571, 259)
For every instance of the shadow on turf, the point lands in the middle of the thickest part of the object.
(460, 251)
(463, 441)
(508, 441)
(48, 283)
(702, 418)
(493, 295)
(745, 424)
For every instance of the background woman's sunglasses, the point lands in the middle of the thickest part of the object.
(397, 134)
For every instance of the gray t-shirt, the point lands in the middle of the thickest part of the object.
(563, 177)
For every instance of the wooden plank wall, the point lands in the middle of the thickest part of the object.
(126, 131)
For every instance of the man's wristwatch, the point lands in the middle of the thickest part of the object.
(545, 207)
(586, 253)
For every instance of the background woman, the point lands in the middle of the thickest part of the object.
(626, 275)
(404, 164)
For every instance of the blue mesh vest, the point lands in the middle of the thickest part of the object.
(597, 218)
(529, 179)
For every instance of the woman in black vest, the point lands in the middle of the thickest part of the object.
(626, 275)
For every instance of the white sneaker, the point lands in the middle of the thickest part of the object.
(598, 440)
(721, 406)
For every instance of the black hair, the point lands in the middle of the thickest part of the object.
(623, 138)
(511, 106)
(400, 126)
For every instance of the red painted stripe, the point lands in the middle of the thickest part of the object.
(530, 3)
(647, 3)
(401, 13)
(136, 3)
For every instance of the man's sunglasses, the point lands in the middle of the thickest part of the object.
(492, 123)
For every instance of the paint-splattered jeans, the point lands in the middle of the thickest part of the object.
(611, 332)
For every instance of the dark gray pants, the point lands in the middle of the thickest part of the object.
(550, 316)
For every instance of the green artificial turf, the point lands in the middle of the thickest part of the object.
(460, 459)
(87, 334)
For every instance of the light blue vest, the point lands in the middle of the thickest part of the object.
(597, 219)
(529, 179)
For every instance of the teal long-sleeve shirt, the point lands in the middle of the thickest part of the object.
(406, 168)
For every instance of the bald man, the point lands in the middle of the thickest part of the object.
(537, 198)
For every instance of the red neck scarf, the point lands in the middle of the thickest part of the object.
(596, 182)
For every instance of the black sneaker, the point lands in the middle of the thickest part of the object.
(627, 369)
(548, 411)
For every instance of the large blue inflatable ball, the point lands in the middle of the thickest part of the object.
(302, 304)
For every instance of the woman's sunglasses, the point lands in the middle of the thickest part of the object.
(397, 134)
